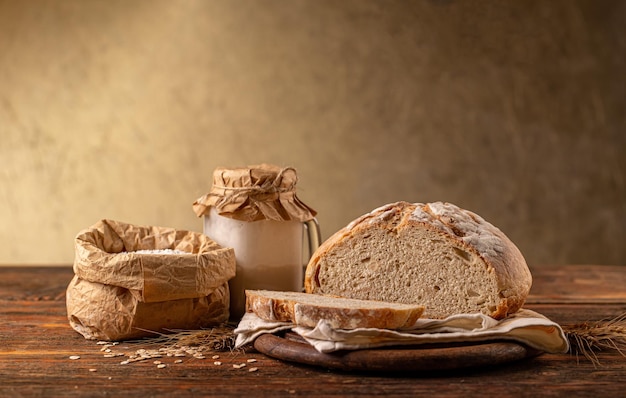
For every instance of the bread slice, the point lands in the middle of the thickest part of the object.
(448, 259)
(341, 313)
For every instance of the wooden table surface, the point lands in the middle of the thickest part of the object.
(36, 342)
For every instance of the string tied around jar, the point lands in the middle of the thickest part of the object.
(268, 187)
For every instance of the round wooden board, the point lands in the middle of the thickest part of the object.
(293, 348)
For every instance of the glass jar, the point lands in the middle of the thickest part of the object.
(255, 211)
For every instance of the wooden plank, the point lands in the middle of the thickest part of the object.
(578, 283)
(34, 283)
(36, 342)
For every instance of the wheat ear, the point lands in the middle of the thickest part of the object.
(588, 338)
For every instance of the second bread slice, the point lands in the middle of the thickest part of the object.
(305, 309)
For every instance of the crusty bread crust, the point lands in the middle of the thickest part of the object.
(305, 309)
(505, 285)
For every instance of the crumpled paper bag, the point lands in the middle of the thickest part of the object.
(107, 312)
(525, 326)
(117, 293)
(253, 193)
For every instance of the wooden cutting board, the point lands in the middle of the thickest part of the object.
(293, 348)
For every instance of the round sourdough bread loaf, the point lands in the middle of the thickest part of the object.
(437, 255)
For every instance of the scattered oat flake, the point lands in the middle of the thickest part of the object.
(253, 369)
(241, 365)
(215, 357)
(157, 362)
(251, 360)
(161, 365)
(178, 361)
(74, 357)
(113, 355)
(93, 370)
(218, 363)
(124, 362)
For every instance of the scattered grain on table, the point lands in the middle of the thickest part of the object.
(196, 344)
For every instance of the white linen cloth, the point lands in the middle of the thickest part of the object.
(525, 326)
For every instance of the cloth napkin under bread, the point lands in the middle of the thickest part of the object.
(524, 326)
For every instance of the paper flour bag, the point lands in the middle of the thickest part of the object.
(132, 281)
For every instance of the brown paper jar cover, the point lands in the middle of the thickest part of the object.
(118, 294)
(253, 193)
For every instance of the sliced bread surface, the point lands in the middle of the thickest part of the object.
(446, 258)
(306, 309)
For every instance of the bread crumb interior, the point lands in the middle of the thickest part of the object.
(411, 266)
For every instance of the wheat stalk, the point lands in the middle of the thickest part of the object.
(177, 343)
(588, 338)
(219, 338)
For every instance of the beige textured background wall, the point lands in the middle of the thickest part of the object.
(122, 109)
